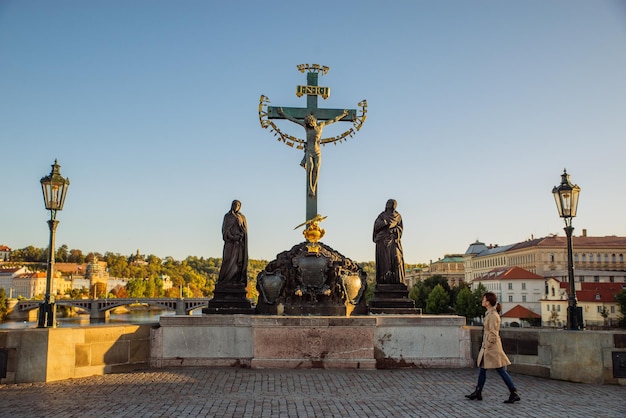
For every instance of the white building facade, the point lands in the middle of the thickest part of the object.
(514, 286)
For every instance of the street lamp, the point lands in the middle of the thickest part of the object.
(54, 188)
(566, 197)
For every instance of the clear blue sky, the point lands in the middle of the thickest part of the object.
(475, 108)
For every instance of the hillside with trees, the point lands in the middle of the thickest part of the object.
(196, 277)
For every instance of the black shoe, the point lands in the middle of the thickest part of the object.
(513, 397)
(477, 394)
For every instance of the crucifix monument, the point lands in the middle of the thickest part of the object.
(313, 119)
(311, 278)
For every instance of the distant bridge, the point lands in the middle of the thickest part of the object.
(99, 309)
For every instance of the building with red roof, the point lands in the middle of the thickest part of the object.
(514, 287)
(601, 259)
(5, 253)
(519, 314)
(597, 300)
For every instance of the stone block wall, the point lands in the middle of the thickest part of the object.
(49, 354)
(364, 342)
(575, 356)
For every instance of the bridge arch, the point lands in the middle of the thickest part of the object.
(99, 309)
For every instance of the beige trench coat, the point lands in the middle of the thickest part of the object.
(491, 353)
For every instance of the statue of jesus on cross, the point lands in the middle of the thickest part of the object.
(313, 119)
(312, 152)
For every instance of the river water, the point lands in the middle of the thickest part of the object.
(132, 317)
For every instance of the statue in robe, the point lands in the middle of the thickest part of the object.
(389, 255)
(234, 269)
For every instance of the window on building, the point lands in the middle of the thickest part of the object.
(612, 309)
(552, 258)
(606, 258)
(596, 279)
(553, 308)
(510, 286)
(613, 258)
(621, 258)
(599, 309)
(548, 306)
(523, 298)
(552, 290)
(558, 308)
(584, 258)
(576, 258)
(612, 279)
(591, 258)
(510, 298)
(523, 286)
(581, 278)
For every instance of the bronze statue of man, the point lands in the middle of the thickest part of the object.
(234, 269)
(389, 255)
(312, 152)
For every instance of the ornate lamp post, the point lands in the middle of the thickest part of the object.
(566, 197)
(54, 188)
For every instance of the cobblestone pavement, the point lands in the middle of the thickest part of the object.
(229, 392)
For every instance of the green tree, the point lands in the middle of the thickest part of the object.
(199, 283)
(173, 292)
(478, 294)
(467, 305)
(421, 290)
(419, 293)
(117, 265)
(254, 268)
(30, 254)
(437, 301)
(62, 254)
(435, 280)
(151, 288)
(76, 256)
(3, 304)
(91, 256)
(77, 293)
(369, 268)
(136, 288)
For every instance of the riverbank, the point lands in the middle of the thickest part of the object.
(139, 315)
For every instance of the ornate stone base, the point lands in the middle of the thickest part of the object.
(229, 299)
(392, 299)
(312, 281)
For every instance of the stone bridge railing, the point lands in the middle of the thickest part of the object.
(100, 308)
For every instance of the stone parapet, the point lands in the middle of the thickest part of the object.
(429, 341)
(50, 354)
(575, 356)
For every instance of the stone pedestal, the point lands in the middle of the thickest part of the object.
(229, 299)
(359, 342)
(392, 298)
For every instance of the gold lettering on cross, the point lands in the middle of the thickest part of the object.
(313, 91)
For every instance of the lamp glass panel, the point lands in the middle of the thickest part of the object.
(574, 200)
(557, 200)
(566, 203)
